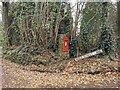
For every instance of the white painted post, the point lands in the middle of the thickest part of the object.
(89, 54)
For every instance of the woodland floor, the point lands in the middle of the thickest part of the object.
(16, 76)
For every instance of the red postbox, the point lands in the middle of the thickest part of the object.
(65, 44)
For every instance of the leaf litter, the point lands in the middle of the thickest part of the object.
(73, 75)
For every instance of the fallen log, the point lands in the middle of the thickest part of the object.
(89, 54)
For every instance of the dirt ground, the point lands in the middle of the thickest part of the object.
(16, 77)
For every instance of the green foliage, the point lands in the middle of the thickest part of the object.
(96, 28)
(35, 26)
(66, 21)
(42, 16)
(106, 37)
(90, 26)
(106, 40)
(73, 48)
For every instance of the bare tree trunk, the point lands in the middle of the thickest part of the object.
(5, 14)
(75, 24)
(5, 18)
(77, 16)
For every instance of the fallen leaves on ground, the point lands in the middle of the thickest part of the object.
(16, 77)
